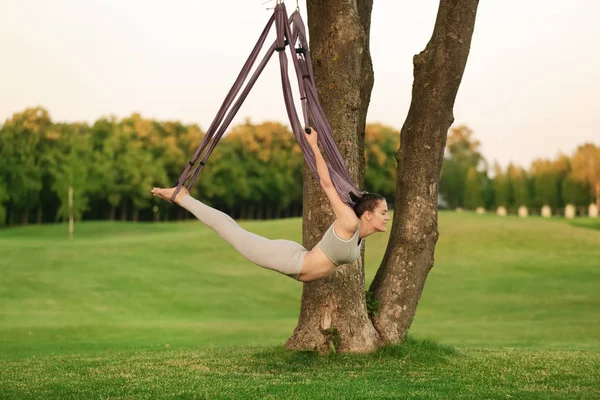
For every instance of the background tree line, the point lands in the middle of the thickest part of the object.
(468, 181)
(254, 172)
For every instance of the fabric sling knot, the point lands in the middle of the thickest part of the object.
(289, 32)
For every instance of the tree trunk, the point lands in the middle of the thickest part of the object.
(111, 214)
(409, 256)
(40, 214)
(598, 194)
(135, 214)
(333, 310)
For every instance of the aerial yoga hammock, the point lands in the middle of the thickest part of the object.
(358, 214)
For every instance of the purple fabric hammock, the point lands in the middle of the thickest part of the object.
(289, 32)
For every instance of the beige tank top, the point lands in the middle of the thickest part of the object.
(340, 251)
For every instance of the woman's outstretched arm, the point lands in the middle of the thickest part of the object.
(322, 169)
(346, 219)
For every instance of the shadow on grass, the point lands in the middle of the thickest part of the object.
(425, 348)
(586, 223)
(425, 352)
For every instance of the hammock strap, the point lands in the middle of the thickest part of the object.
(289, 31)
(208, 137)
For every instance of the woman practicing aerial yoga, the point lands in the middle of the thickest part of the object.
(358, 214)
(340, 243)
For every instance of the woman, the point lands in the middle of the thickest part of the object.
(340, 243)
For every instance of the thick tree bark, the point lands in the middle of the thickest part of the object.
(409, 256)
(333, 310)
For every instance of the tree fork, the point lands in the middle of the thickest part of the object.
(409, 256)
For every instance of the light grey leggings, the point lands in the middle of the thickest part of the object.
(279, 255)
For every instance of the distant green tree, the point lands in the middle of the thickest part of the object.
(501, 187)
(381, 144)
(585, 168)
(137, 171)
(68, 166)
(474, 189)
(452, 183)
(227, 181)
(23, 150)
(546, 176)
(3, 198)
(518, 187)
(123, 168)
(576, 192)
(462, 153)
(266, 161)
(489, 199)
(103, 171)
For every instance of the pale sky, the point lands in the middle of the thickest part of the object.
(531, 87)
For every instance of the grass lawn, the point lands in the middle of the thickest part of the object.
(171, 311)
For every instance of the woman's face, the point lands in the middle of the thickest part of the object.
(380, 216)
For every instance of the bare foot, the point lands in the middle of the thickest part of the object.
(166, 194)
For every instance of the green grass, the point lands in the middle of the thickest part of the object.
(171, 311)
(415, 370)
(513, 282)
